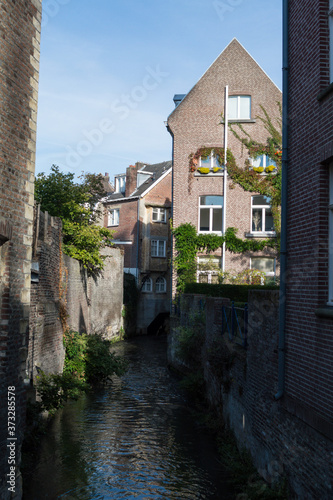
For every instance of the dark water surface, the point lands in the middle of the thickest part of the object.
(135, 438)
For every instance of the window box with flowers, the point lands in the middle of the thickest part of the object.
(263, 164)
(207, 161)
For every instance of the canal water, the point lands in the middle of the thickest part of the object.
(135, 438)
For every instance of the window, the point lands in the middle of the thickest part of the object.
(208, 269)
(158, 248)
(147, 284)
(262, 217)
(120, 181)
(239, 107)
(330, 24)
(263, 162)
(264, 264)
(210, 214)
(210, 164)
(113, 217)
(159, 215)
(330, 238)
(160, 285)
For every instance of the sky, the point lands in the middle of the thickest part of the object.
(109, 70)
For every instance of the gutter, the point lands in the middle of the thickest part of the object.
(284, 194)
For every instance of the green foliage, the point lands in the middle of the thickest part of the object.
(101, 364)
(76, 346)
(188, 243)
(56, 389)
(75, 204)
(237, 293)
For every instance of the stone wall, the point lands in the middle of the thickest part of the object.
(241, 385)
(20, 24)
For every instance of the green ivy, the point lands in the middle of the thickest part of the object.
(188, 243)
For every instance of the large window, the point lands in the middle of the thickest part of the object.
(159, 215)
(158, 248)
(210, 214)
(261, 215)
(239, 107)
(160, 285)
(113, 217)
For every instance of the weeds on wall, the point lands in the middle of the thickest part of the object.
(88, 361)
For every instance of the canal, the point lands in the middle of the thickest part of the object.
(134, 438)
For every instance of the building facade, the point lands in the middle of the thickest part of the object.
(138, 212)
(197, 121)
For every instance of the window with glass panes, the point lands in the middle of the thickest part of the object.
(210, 214)
(160, 286)
(147, 284)
(261, 215)
(113, 217)
(159, 214)
(158, 248)
(239, 107)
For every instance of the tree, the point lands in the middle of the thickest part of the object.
(75, 203)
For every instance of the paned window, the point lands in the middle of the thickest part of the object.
(158, 248)
(208, 269)
(261, 215)
(264, 264)
(160, 285)
(264, 163)
(147, 284)
(159, 214)
(239, 107)
(113, 217)
(120, 181)
(210, 214)
(210, 164)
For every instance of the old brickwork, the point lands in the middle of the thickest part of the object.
(241, 385)
(309, 322)
(196, 122)
(19, 63)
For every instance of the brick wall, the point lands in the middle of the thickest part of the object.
(196, 123)
(241, 385)
(19, 62)
(309, 353)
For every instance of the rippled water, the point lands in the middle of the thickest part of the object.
(133, 439)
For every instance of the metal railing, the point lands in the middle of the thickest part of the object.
(235, 323)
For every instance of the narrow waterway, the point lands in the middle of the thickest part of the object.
(135, 438)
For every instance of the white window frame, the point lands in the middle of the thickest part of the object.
(160, 215)
(120, 183)
(147, 285)
(330, 25)
(112, 220)
(211, 211)
(263, 209)
(158, 248)
(212, 163)
(266, 161)
(160, 285)
(330, 238)
(209, 272)
(239, 97)
(272, 273)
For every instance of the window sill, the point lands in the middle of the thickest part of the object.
(240, 120)
(260, 235)
(325, 312)
(210, 174)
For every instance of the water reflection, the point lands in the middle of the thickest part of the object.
(132, 439)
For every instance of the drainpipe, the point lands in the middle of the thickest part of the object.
(171, 214)
(283, 251)
(225, 182)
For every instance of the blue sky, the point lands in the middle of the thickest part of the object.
(109, 70)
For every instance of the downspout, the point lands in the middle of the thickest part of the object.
(284, 193)
(137, 242)
(171, 214)
(225, 182)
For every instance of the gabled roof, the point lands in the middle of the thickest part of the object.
(232, 45)
(158, 171)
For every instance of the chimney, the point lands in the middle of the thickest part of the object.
(131, 176)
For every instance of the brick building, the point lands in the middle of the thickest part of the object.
(308, 331)
(139, 211)
(19, 66)
(195, 122)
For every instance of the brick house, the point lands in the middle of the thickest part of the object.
(20, 25)
(139, 211)
(196, 122)
(308, 383)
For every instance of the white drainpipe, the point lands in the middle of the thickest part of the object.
(225, 171)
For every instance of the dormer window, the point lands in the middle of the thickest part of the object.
(120, 183)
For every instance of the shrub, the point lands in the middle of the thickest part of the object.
(56, 389)
(101, 364)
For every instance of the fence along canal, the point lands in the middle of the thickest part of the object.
(135, 438)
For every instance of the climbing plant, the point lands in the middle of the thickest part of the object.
(188, 243)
